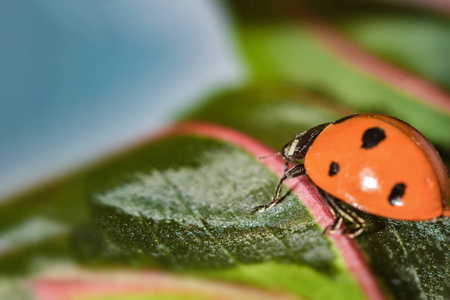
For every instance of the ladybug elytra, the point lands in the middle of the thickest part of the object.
(376, 163)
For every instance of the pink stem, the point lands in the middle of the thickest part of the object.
(94, 284)
(376, 67)
(306, 191)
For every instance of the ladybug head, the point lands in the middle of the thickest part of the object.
(296, 149)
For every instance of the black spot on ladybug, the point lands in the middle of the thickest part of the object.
(395, 198)
(372, 137)
(334, 168)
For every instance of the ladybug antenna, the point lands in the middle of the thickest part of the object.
(270, 155)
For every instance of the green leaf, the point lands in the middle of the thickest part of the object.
(73, 283)
(413, 258)
(410, 258)
(270, 112)
(180, 204)
(36, 227)
(414, 41)
(30, 232)
(187, 209)
(279, 45)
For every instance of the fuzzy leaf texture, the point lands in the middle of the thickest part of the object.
(173, 210)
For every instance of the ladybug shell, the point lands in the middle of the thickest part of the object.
(379, 165)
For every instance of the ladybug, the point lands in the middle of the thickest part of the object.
(375, 163)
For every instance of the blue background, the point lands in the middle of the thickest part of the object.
(81, 78)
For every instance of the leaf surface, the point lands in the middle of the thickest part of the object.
(414, 41)
(281, 43)
(182, 203)
(192, 214)
(410, 258)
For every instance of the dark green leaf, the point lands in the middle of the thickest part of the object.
(272, 113)
(416, 42)
(180, 204)
(411, 258)
(279, 45)
(187, 209)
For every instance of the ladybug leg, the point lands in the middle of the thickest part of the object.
(336, 224)
(353, 218)
(337, 216)
(361, 225)
(296, 171)
(341, 213)
(294, 151)
(359, 230)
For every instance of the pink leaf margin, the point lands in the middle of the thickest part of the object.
(353, 257)
(306, 191)
(62, 284)
(354, 55)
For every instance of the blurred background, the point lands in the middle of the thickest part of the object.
(81, 78)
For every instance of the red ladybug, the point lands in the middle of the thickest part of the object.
(375, 163)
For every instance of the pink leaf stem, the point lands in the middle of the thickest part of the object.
(306, 191)
(72, 284)
(65, 287)
(401, 79)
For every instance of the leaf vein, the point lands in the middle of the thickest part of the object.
(413, 268)
(175, 188)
